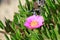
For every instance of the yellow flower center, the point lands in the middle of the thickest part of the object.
(34, 23)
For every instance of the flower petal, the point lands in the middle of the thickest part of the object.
(38, 18)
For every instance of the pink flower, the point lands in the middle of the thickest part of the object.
(34, 21)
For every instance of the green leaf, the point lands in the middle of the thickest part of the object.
(15, 18)
(28, 4)
(46, 32)
(18, 34)
(20, 6)
(58, 1)
(53, 34)
(8, 27)
(2, 25)
(7, 38)
(13, 37)
(49, 3)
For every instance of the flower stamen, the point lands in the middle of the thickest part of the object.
(34, 23)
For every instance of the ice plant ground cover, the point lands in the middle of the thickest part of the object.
(49, 31)
(34, 21)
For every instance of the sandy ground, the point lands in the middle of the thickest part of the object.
(8, 10)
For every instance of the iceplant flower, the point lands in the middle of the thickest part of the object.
(34, 21)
